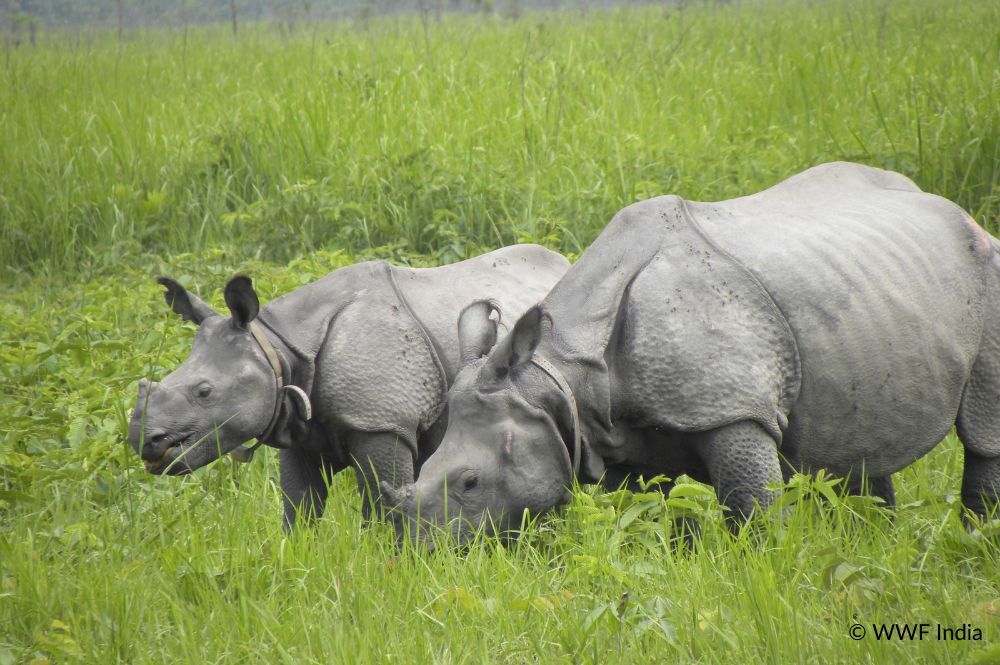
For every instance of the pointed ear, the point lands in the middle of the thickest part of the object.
(189, 306)
(477, 330)
(242, 301)
(517, 348)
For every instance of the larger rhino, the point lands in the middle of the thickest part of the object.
(350, 370)
(842, 319)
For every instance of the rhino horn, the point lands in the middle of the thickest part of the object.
(394, 496)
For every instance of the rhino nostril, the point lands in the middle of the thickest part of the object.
(155, 438)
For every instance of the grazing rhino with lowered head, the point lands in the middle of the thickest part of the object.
(350, 370)
(842, 319)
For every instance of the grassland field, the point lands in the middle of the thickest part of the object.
(188, 152)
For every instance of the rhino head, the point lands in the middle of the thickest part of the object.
(503, 451)
(225, 392)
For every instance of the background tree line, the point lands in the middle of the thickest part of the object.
(23, 17)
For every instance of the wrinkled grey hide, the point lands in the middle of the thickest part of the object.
(842, 319)
(373, 346)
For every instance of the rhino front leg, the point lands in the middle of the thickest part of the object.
(742, 460)
(861, 485)
(303, 486)
(378, 456)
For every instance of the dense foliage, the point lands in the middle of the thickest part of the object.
(286, 155)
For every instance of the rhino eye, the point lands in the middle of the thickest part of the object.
(203, 390)
(470, 482)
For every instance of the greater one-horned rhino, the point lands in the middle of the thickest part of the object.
(842, 319)
(350, 370)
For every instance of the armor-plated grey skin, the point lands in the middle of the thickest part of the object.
(373, 346)
(842, 319)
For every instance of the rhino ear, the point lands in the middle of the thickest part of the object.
(189, 306)
(477, 330)
(242, 301)
(517, 348)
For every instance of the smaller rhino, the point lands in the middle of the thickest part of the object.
(348, 371)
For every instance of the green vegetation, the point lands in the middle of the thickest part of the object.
(195, 154)
(451, 137)
(100, 562)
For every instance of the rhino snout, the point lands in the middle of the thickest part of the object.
(149, 441)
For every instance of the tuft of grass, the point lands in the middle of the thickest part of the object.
(448, 137)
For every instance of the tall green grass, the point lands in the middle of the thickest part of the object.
(445, 138)
(103, 563)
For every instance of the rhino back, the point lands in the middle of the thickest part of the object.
(883, 288)
(386, 361)
(514, 277)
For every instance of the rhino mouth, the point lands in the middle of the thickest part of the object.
(173, 461)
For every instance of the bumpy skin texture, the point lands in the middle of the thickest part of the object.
(373, 345)
(742, 463)
(881, 292)
(884, 288)
(842, 318)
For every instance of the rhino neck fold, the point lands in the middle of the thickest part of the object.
(574, 411)
(584, 309)
(298, 324)
(433, 348)
(306, 322)
(281, 358)
(280, 372)
(302, 319)
(293, 364)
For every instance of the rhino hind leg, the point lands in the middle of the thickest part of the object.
(742, 461)
(981, 484)
(883, 489)
(978, 422)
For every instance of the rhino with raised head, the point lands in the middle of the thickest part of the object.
(350, 370)
(842, 319)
